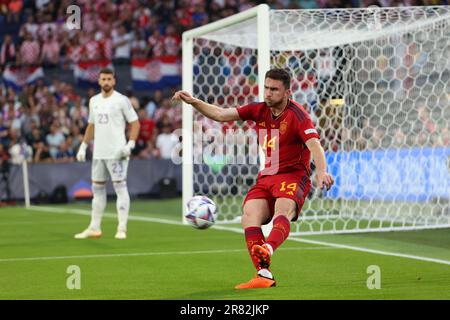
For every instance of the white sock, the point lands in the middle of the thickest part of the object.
(270, 248)
(98, 206)
(265, 273)
(122, 203)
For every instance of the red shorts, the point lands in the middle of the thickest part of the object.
(291, 185)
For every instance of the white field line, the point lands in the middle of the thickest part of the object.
(385, 253)
(143, 254)
(106, 214)
(238, 230)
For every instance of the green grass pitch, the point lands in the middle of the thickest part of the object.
(162, 260)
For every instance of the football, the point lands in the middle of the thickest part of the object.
(201, 212)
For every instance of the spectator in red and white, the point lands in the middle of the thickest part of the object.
(106, 46)
(172, 41)
(89, 22)
(10, 111)
(29, 51)
(50, 51)
(156, 44)
(7, 52)
(121, 41)
(92, 49)
(74, 49)
(105, 10)
(143, 16)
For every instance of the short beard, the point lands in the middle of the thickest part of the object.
(276, 105)
(107, 91)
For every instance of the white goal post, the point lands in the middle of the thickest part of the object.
(376, 83)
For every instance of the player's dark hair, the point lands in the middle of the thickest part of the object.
(280, 74)
(106, 71)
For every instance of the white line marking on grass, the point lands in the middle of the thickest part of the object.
(167, 253)
(238, 230)
(385, 253)
(343, 246)
(106, 214)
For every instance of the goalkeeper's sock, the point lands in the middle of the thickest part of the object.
(98, 205)
(122, 203)
(253, 235)
(280, 232)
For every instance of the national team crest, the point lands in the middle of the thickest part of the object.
(283, 127)
(153, 69)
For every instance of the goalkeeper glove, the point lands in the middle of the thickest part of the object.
(81, 155)
(126, 150)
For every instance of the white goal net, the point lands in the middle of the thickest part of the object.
(376, 84)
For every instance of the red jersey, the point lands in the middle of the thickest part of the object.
(282, 138)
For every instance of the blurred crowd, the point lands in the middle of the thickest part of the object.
(424, 131)
(45, 122)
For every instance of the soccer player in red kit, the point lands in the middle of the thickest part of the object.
(288, 138)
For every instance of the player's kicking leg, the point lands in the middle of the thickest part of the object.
(256, 212)
(98, 206)
(285, 211)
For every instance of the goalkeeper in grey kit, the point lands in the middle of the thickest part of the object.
(109, 113)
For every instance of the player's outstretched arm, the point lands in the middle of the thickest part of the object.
(324, 179)
(208, 110)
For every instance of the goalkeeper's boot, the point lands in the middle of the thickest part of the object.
(121, 234)
(88, 233)
(262, 254)
(258, 282)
